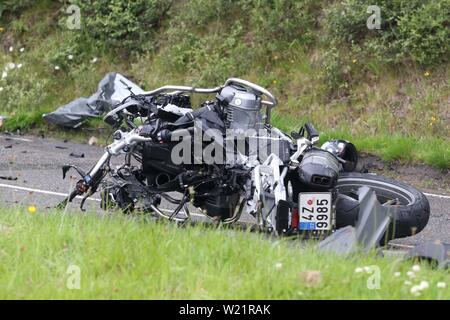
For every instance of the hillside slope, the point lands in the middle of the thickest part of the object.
(386, 89)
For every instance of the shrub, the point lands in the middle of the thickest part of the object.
(284, 20)
(414, 30)
(13, 6)
(22, 92)
(125, 26)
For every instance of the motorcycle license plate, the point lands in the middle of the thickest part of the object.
(314, 210)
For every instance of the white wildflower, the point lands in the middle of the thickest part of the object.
(4, 74)
(424, 285)
(367, 269)
(11, 49)
(22, 49)
(397, 274)
(415, 290)
(410, 274)
(57, 68)
(94, 60)
(407, 283)
(70, 57)
(19, 66)
(1, 89)
(441, 285)
(358, 270)
(415, 268)
(10, 66)
(278, 265)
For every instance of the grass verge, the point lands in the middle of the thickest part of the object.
(433, 151)
(125, 257)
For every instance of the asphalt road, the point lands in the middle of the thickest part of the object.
(36, 163)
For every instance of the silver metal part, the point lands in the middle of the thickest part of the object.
(372, 224)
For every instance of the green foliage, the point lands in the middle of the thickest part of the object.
(13, 6)
(415, 30)
(21, 90)
(125, 26)
(425, 33)
(211, 40)
(284, 20)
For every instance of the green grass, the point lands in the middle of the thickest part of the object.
(124, 257)
(434, 151)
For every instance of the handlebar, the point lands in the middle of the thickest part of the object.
(273, 101)
(179, 89)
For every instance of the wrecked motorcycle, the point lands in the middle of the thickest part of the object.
(286, 182)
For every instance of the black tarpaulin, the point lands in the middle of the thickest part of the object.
(110, 92)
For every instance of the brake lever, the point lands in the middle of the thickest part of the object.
(67, 167)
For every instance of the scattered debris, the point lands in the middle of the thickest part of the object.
(8, 146)
(76, 155)
(10, 178)
(60, 147)
(311, 278)
(435, 251)
(93, 141)
(343, 241)
(370, 228)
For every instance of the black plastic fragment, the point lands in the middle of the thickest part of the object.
(10, 178)
(76, 155)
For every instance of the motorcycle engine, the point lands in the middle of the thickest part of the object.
(241, 108)
(319, 170)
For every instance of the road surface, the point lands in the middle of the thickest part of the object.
(37, 162)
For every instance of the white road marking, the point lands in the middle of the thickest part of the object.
(59, 194)
(2, 185)
(436, 195)
(41, 191)
(18, 139)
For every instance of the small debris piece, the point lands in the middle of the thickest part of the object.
(8, 178)
(8, 146)
(437, 251)
(60, 147)
(372, 224)
(311, 278)
(93, 141)
(77, 155)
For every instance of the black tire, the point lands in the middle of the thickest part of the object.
(411, 212)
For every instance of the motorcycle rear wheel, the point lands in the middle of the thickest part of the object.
(409, 206)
